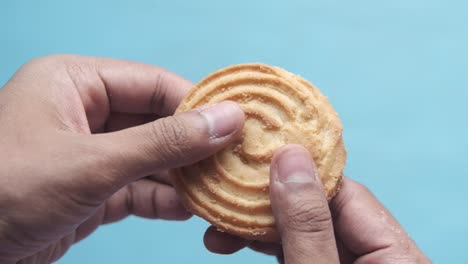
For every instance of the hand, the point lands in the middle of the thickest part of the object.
(353, 228)
(78, 140)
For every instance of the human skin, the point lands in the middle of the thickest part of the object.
(353, 228)
(87, 141)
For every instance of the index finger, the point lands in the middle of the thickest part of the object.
(108, 85)
(133, 87)
(364, 225)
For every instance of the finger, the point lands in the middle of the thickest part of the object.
(346, 256)
(223, 243)
(119, 121)
(139, 88)
(144, 198)
(300, 208)
(104, 86)
(161, 176)
(366, 227)
(170, 142)
(130, 87)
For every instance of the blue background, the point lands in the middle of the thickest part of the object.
(396, 71)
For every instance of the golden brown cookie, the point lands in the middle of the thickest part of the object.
(230, 189)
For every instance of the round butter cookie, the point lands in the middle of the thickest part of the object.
(230, 189)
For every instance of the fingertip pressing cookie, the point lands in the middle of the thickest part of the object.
(230, 189)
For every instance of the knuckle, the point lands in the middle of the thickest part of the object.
(173, 131)
(85, 77)
(56, 67)
(406, 251)
(404, 258)
(158, 98)
(361, 188)
(310, 215)
(40, 62)
(68, 62)
(170, 137)
(34, 65)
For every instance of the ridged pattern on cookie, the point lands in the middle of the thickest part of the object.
(230, 189)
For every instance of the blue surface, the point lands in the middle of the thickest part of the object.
(396, 71)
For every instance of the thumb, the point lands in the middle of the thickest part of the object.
(166, 143)
(300, 208)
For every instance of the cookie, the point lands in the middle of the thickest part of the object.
(230, 189)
